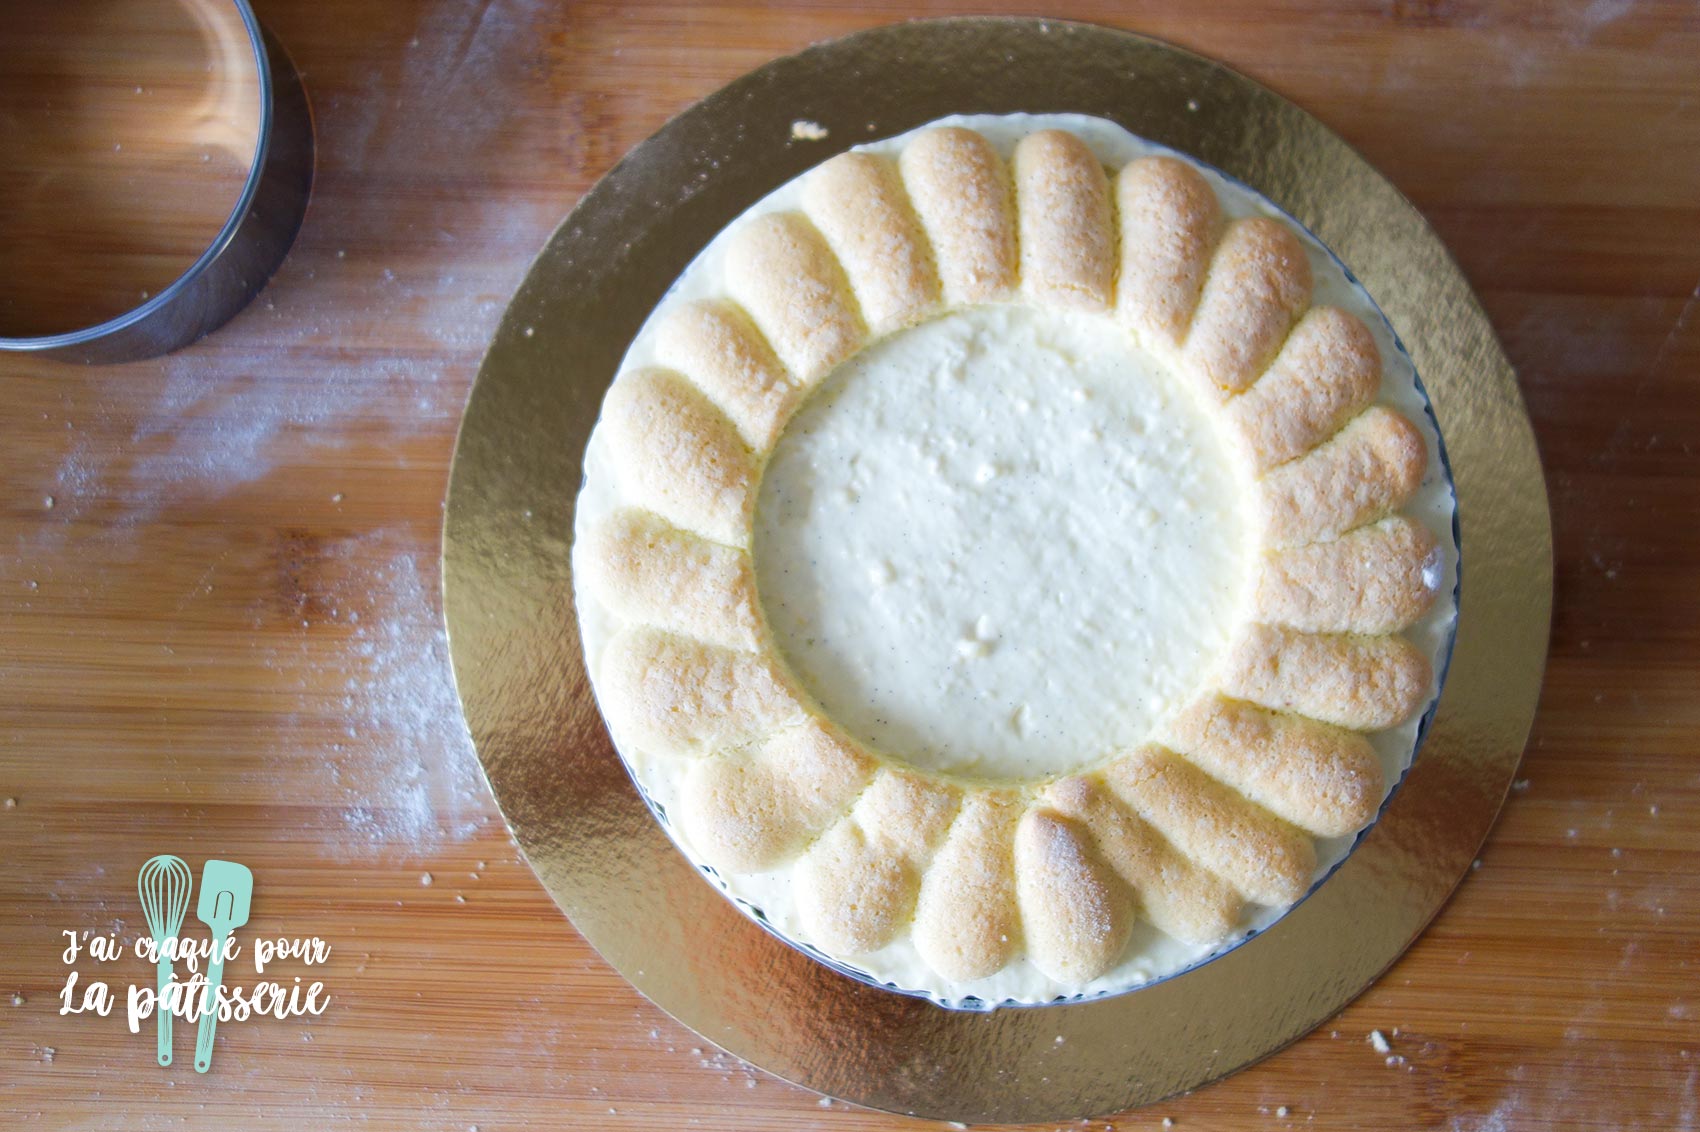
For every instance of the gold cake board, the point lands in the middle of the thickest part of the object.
(565, 794)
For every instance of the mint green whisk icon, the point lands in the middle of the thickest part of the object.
(164, 885)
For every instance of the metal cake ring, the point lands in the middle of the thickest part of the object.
(248, 248)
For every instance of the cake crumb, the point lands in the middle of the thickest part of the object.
(805, 130)
(1281, 1112)
(1378, 1042)
(426, 879)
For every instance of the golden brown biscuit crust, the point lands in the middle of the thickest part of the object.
(681, 457)
(1327, 372)
(719, 348)
(1259, 284)
(1076, 914)
(1170, 222)
(1067, 235)
(781, 270)
(1321, 778)
(1365, 683)
(653, 573)
(1368, 470)
(1377, 579)
(962, 196)
(967, 920)
(858, 203)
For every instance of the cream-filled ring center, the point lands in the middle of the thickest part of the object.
(1005, 544)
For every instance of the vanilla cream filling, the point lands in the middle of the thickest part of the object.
(1150, 955)
(1004, 544)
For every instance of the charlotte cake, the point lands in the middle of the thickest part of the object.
(1009, 561)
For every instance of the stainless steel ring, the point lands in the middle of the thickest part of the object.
(248, 248)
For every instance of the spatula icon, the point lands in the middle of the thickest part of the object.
(226, 891)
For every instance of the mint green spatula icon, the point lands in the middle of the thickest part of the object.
(226, 891)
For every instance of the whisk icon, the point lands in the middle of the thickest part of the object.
(164, 885)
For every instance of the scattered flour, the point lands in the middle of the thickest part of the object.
(405, 762)
(1499, 1120)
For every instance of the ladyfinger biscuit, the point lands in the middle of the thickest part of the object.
(1377, 579)
(1258, 284)
(858, 203)
(1170, 221)
(966, 921)
(1370, 469)
(678, 455)
(853, 893)
(649, 571)
(962, 194)
(1323, 779)
(1076, 914)
(674, 695)
(752, 811)
(1264, 858)
(780, 269)
(1328, 372)
(910, 812)
(1178, 897)
(1361, 683)
(1066, 229)
(715, 344)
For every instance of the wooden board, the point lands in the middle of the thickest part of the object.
(222, 637)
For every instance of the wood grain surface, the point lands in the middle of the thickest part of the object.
(220, 620)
